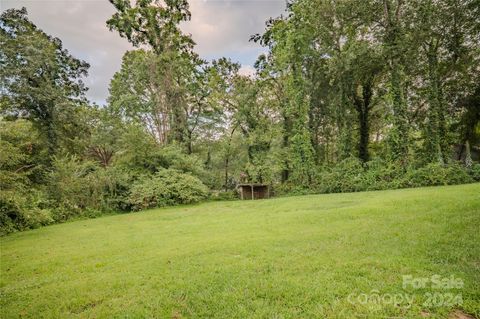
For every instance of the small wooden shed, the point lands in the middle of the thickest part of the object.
(254, 191)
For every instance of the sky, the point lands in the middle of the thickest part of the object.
(219, 27)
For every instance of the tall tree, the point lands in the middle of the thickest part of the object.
(39, 79)
(394, 35)
(169, 65)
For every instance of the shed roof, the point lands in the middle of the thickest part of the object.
(252, 184)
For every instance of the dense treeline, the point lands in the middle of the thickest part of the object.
(352, 95)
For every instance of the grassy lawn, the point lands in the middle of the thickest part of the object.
(298, 257)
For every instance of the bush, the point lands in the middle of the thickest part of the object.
(475, 172)
(23, 211)
(350, 175)
(435, 174)
(224, 195)
(116, 183)
(457, 174)
(290, 189)
(86, 189)
(71, 188)
(381, 175)
(167, 187)
(346, 176)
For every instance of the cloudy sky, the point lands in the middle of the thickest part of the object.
(219, 27)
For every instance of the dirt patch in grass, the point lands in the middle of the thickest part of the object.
(458, 314)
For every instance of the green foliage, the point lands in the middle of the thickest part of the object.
(350, 64)
(475, 172)
(350, 175)
(116, 181)
(172, 156)
(150, 23)
(83, 188)
(435, 174)
(167, 187)
(22, 158)
(21, 211)
(139, 154)
(39, 79)
(468, 156)
(290, 189)
(74, 187)
(382, 174)
(22, 155)
(336, 105)
(224, 195)
(347, 176)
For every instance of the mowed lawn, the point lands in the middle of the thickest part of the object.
(295, 257)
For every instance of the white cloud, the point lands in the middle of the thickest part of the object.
(222, 27)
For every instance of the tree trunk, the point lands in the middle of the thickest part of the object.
(287, 130)
(364, 137)
(363, 107)
(399, 134)
(436, 142)
(227, 160)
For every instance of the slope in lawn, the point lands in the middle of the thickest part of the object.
(298, 257)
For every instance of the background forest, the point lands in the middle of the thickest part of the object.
(351, 96)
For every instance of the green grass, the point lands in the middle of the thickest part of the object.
(296, 257)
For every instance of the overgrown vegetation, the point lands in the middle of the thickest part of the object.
(166, 188)
(351, 96)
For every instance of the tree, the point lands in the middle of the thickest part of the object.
(163, 71)
(39, 79)
(105, 131)
(452, 64)
(255, 121)
(136, 94)
(367, 67)
(152, 23)
(393, 40)
(285, 65)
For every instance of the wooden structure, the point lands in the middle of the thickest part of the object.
(254, 191)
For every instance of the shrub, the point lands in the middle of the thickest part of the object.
(475, 172)
(116, 182)
(346, 176)
(86, 189)
(290, 189)
(23, 211)
(70, 187)
(350, 175)
(167, 187)
(224, 195)
(381, 175)
(457, 174)
(435, 174)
